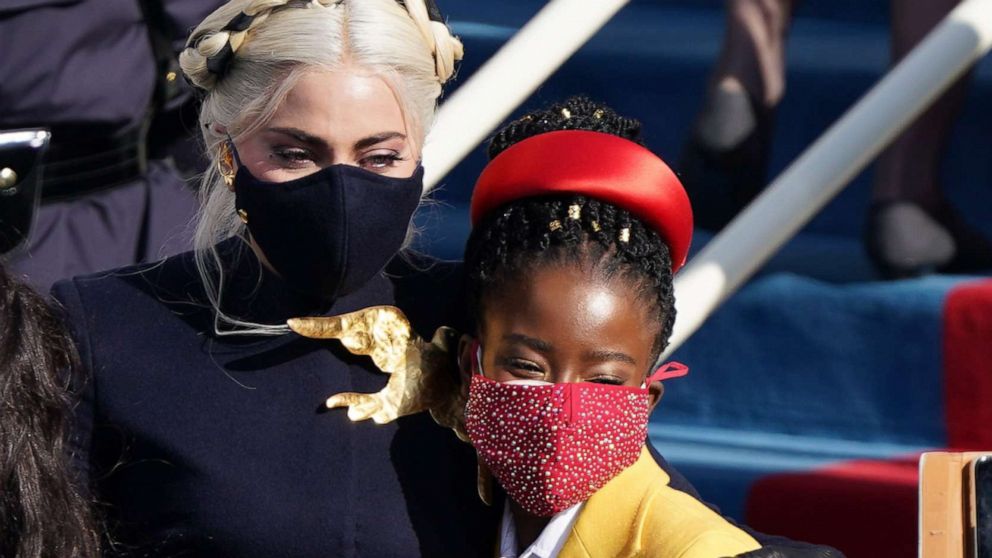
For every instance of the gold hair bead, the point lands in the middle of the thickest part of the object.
(244, 216)
(596, 227)
(554, 225)
(574, 211)
(598, 114)
(625, 234)
(566, 113)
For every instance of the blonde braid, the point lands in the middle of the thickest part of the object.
(445, 47)
(204, 60)
(199, 59)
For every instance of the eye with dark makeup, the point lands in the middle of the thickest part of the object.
(377, 161)
(292, 157)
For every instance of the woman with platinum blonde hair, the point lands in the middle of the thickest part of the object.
(201, 440)
(293, 56)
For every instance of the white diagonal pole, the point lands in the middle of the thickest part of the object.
(509, 77)
(828, 165)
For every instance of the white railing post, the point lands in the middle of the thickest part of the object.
(509, 77)
(829, 164)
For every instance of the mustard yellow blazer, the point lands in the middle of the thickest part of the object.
(638, 514)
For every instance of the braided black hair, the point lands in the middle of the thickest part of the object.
(575, 113)
(531, 233)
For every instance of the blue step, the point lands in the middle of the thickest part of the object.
(796, 374)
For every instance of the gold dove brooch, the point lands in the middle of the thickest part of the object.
(422, 376)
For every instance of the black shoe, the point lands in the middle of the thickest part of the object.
(904, 240)
(972, 250)
(721, 182)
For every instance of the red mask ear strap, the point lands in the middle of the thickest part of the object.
(476, 355)
(668, 371)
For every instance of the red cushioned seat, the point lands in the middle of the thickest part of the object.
(866, 509)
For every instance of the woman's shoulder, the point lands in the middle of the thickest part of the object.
(687, 528)
(647, 517)
(135, 300)
(171, 279)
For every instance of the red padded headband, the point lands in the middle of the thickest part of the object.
(596, 165)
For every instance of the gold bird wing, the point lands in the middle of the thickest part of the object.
(423, 376)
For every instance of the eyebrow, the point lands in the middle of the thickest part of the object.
(313, 140)
(607, 356)
(300, 135)
(532, 342)
(378, 138)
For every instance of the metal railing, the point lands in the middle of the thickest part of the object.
(822, 171)
(506, 80)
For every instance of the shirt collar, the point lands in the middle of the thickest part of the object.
(548, 543)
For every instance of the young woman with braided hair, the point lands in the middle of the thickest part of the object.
(578, 230)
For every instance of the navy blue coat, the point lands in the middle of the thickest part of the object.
(221, 446)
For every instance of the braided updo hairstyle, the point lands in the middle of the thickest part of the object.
(532, 233)
(247, 55)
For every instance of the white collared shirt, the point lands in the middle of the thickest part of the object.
(548, 543)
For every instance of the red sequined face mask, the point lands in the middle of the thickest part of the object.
(552, 446)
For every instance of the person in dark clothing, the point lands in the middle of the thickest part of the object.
(911, 227)
(206, 443)
(203, 428)
(97, 74)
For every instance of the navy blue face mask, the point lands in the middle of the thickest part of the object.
(328, 233)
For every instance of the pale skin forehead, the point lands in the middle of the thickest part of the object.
(340, 105)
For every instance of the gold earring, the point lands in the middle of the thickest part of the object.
(225, 165)
(244, 216)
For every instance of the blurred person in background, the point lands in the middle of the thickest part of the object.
(102, 76)
(911, 228)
